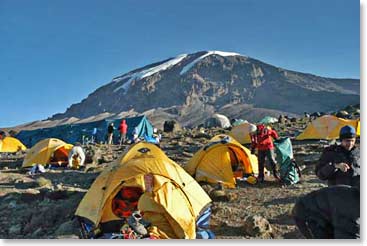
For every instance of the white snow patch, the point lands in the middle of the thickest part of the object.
(147, 72)
(213, 52)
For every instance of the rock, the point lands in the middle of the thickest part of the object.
(219, 196)
(15, 230)
(257, 226)
(44, 182)
(66, 228)
(207, 188)
(59, 187)
(12, 204)
(107, 158)
(187, 154)
(232, 196)
(37, 233)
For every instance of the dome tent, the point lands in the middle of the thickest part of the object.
(43, 151)
(213, 162)
(171, 201)
(11, 145)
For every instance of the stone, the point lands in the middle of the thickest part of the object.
(15, 230)
(44, 182)
(12, 204)
(66, 228)
(257, 226)
(37, 233)
(219, 196)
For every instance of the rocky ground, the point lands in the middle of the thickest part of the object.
(42, 206)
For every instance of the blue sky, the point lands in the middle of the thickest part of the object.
(55, 53)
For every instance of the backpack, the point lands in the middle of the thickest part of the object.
(289, 170)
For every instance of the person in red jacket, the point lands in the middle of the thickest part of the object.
(263, 142)
(123, 131)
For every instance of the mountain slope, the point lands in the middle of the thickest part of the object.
(215, 79)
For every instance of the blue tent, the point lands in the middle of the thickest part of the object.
(72, 133)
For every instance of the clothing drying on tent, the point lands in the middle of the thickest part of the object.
(242, 132)
(11, 145)
(168, 197)
(48, 151)
(268, 120)
(327, 127)
(220, 160)
(289, 170)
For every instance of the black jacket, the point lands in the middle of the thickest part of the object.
(331, 212)
(334, 154)
(110, 129)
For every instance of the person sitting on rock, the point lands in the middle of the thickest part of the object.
(330, 213)
(339, 164)
(262, 140)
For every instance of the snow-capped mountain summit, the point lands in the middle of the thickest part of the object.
(211, 81)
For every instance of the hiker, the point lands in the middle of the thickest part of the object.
(331, 212)
(262, 141)
(110, 130)
(339, 164)
(76, 156)
(123, 130)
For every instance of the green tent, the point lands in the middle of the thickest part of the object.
(268, 120)
(288, 168)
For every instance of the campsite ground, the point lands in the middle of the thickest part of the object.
(42, 206)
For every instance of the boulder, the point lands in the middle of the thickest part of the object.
(44, 182)
(15, 230)
(257, 226)
(66, 228)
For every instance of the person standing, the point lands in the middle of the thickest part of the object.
(340, 164)
(110, 130)
(263, 142)
(123, 131)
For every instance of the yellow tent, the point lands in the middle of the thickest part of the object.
(213, 162)
(10, 144)
(327, 127)
(43, 151)
(242, 132)
(172, 201)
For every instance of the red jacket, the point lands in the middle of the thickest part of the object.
(262, 140)
(123, 127)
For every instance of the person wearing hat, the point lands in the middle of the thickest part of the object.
(340, 164)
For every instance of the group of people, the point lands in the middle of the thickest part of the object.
(331, 212)
(123, 129)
